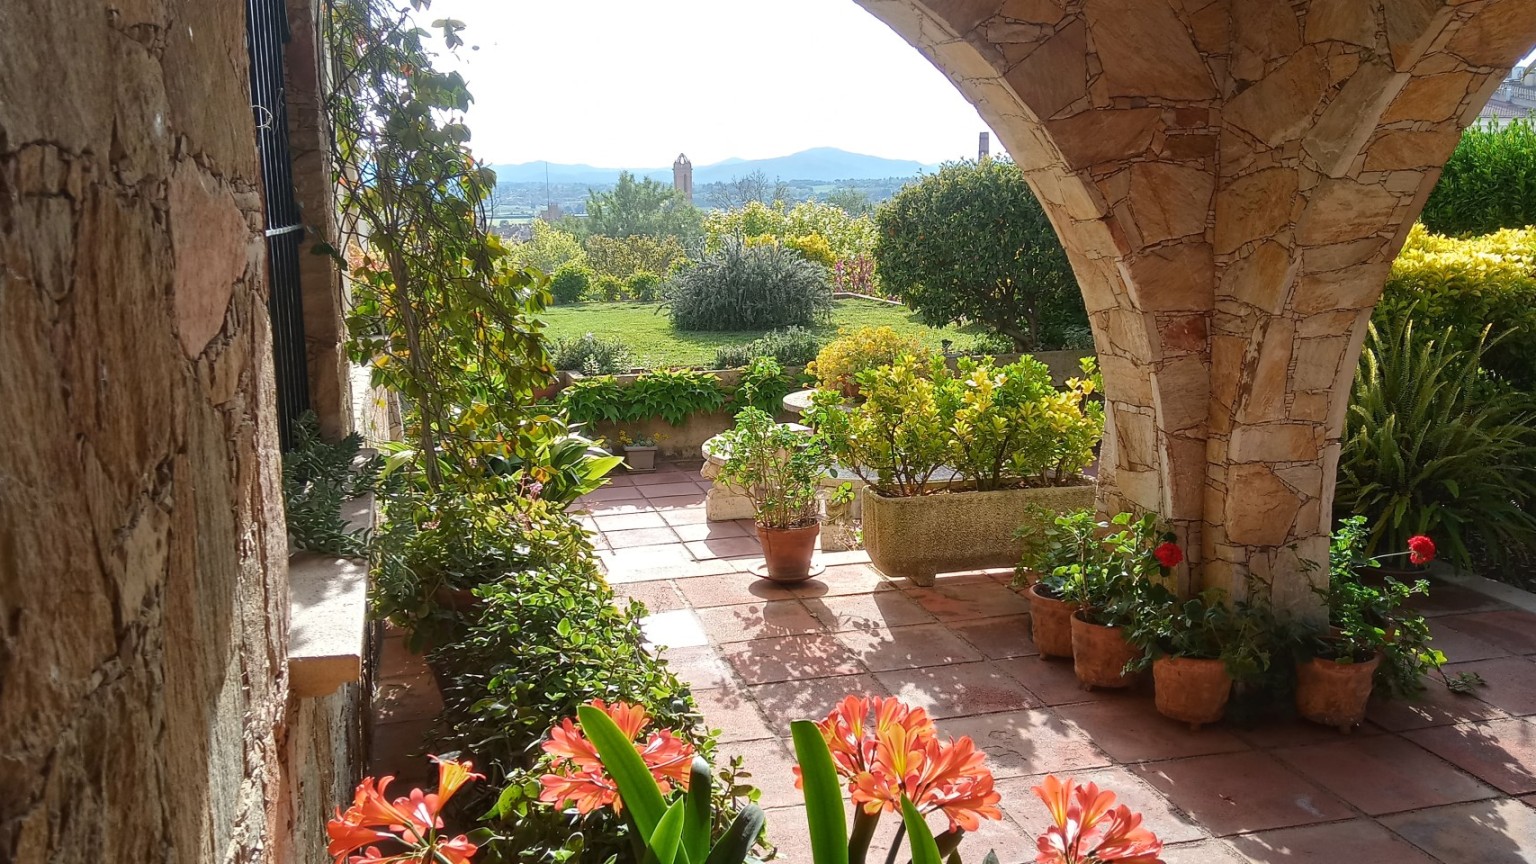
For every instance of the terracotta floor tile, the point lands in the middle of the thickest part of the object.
(612, 493)
(602, 508)
(1498, 752)
(1166, 821)
(686, 501)
(1012, 843)
(1436, 706)
(730, 710)
(662, 536)
(757, 621)
(1202, 852)
(645, 557)
(685, 516)
(1498, 831)
(1358, 841)
(908, 647)
(1054, 682)
(1269, 734)
(679, 628)
(998, 638)
(868, 611)
(658, 477)
(847, 556)
(790, 835)
(841, 579)
(725, 547)
(1384, 774)
(671, 490)
(959, 690)
(1230, 793)
(772, 764)
(631, 571)
(1514, 630)
(1460, 646)
(982, 598)
(657, 596)
(701, 668)
(629, 521)
(1131, 730)
(1037, 741)
(811, 699)
(790, 658)
(730, 589)
(1509, 683)
(1448, 599)
(710, 531)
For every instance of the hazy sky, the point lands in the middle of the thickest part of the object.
(632, 83)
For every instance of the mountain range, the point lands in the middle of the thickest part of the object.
(823, 164)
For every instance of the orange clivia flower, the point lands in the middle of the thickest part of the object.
(411, 821)
(577, 776)
(1088, 827)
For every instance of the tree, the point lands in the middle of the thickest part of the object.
(741, 191)
(854, 202)
(643, 207)
(549, 248)
(1489, 182)
(971, 243)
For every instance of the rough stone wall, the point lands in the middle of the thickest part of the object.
(143, 595)
(1231, 179)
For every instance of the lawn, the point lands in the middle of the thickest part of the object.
(648, 331)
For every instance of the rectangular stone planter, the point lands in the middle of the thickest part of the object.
(921, 537)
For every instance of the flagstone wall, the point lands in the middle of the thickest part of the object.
(1231, 179)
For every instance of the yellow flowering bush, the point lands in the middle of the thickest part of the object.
(838, 364)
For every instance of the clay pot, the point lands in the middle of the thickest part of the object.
(1191, 690)
(1099, 654)
(1050, 623)
(787, 552)
(1334, 694)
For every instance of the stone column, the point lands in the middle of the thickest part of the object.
(1231, 180)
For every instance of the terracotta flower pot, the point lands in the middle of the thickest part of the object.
(1191, 690)
(1050, 623)
(787, 552)
(1334, 694)
(1099, 654)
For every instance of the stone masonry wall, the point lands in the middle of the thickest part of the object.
(1231, 180)
(143, 596)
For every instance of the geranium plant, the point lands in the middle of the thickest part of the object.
(406, 830)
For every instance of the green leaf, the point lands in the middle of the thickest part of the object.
(637, 787)
(736, 843)
(667, 837)
(823, 795)
(924, 849)
(697, 822)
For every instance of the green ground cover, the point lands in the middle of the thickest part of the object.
(649, 334)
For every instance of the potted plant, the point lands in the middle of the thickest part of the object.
(1197, 648)
(956, 460)
(639, 452)
(1369, 634)
(1052, 558)
(777, 467)
(1110, 589)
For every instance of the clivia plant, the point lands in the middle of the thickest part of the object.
(407, 830)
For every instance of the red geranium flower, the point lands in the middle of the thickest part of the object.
(1421, 549)
(1168, 554)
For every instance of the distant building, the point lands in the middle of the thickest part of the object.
(682, 177)
(984, 147)
(1516, 97)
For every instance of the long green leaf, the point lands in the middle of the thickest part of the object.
(667, 838)
(823, 795)
(637, 787)
(924, 849)
(736, 843)
(697, 817)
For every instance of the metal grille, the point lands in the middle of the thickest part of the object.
(266, 33)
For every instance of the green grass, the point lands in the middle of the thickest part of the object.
(650, 336)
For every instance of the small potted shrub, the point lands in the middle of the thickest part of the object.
(1110, 588)
(1197, 647)
(777, 467)
(639, 452)
(1369, 634)
(1052, 558)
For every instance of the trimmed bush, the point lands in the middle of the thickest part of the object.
(591, 355)
(792, 346)
(750, 288)
(570, 283)
(609, 288)
(643, 285)
(845, 357)
(1489, 182)
(1463, 286)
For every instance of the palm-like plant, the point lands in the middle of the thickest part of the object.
(1433, 447)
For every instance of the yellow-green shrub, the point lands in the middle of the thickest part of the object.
(1466, 285)
(814, 247)
(838, 364)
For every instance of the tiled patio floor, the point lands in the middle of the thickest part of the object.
(1451, 779)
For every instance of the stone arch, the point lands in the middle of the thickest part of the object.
(1231, 179)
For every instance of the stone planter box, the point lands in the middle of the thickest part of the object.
(921, 537)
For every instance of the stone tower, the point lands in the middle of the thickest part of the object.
(984, 147)
(682, 176)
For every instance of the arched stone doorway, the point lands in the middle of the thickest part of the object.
(1231, 179)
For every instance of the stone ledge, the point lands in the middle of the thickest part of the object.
(328, 615)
